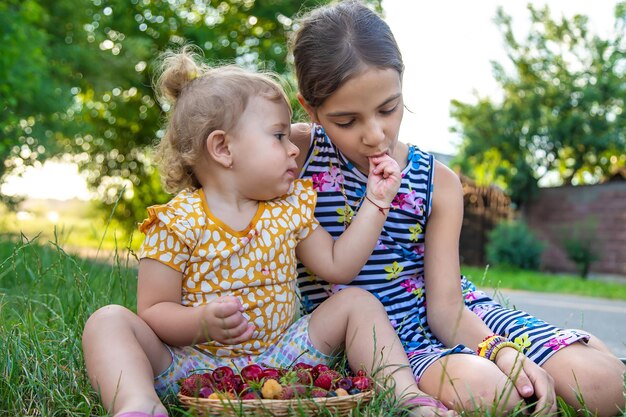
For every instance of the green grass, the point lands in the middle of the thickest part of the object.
(46, 295)
(507, 278)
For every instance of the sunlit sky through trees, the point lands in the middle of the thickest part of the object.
(447, 47)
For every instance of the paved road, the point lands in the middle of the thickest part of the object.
(604, 318)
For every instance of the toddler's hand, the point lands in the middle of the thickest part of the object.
(384, 179)
(226, 323)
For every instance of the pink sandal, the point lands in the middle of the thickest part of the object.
(425, 402)
(139, 414)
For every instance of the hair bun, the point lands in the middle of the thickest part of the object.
(177, 70)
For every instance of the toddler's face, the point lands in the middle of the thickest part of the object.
(363, 116)
(264, 159)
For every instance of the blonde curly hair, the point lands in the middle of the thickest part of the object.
(201, 99)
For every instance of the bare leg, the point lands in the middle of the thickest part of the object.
(352, 318)
(469, 382)
(123, 355)
(592, 372)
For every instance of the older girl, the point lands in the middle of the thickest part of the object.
(463, 347)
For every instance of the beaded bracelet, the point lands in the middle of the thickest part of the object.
(488, 343)
(494, 352)
(491, 345)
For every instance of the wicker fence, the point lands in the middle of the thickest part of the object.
(484, 208)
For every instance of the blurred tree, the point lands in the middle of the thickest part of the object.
(560, 112)
(35, 87)
(75, 78)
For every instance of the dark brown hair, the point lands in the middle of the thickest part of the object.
(338, 41)
(202, 100)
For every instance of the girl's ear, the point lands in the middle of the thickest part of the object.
(307, 108)
(218, 149)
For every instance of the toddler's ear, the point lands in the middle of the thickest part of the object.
(218, 149)
(307, 108)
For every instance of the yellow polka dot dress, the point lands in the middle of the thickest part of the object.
(257, 264)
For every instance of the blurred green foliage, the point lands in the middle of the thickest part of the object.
(513, 244)
(561, 111)
(76, 77)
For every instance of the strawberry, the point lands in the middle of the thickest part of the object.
(304, 376)
(361, 372)
(318, 369)
(318, 393)
(324, 380)
(191, 385)
(294, 391)
(334, 375)
(302, 365)
(288, 393)
(362, 383)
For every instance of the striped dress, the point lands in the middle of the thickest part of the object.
(394, 272)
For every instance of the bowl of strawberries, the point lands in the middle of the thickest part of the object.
(257, 390)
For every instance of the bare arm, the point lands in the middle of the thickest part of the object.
(450, 320)
(339, 261)
(158, 304)
(447, 315)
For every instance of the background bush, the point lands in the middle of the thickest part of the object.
(513, 244)
(580, 242)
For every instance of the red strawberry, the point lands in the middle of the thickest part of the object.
(302, 365)
(304, 376)
(362, 383)
(324, 380)
(318, 393)
(288, 393)
(318, 369)
(294, 391)
(361, 372)
(191, 385)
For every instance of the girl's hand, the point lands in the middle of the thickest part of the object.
(225, 322)
(425, 406)
(530, 380)
(432, 412)
(384, 179)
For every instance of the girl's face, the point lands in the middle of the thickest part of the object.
(362, 118)
(264, 158)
